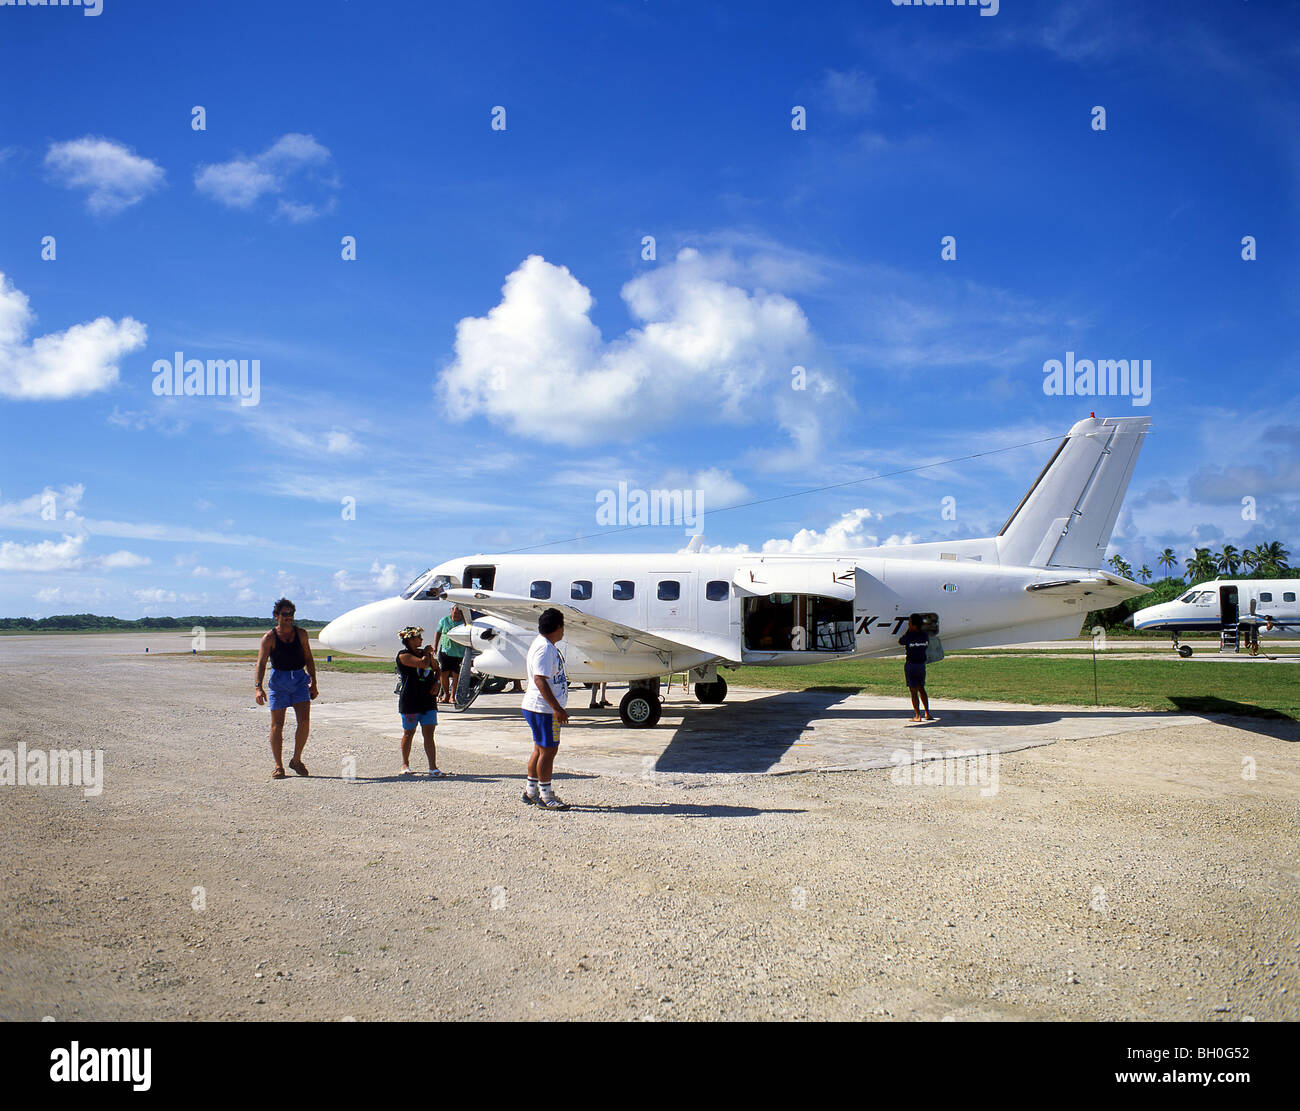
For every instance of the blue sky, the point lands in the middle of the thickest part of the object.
(499, 351)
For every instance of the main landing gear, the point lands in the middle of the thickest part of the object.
(711, 693)
(640, 708)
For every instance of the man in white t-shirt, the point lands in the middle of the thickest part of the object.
(545, 696)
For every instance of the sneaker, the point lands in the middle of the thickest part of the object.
(553, 803)
(436, 773)
(531, 800)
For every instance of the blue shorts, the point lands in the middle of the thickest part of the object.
(288, 688)
(914, 674)
(429, 717)
(546, 734)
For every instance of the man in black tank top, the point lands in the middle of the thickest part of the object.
(293, 683)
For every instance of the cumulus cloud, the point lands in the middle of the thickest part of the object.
(71, 363)
(113, 175)
(538, 364)
(846, 534)
(46, 555)
(293, 162)
(382, 577)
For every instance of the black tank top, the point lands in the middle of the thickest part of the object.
(287, 657)
(417, 695)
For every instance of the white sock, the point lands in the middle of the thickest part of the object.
(546, 791)
(532, 787)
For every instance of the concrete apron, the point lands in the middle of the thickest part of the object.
(753, 733)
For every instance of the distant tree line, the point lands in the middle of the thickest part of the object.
(90, 622)
(1265, 561)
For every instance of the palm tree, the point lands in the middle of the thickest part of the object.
(1250, 557)
(1228, 560)
(1167, 559)
(1277, 556)
(1144, 573)
(1200, 566)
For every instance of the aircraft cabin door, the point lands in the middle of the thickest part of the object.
(1228, 609)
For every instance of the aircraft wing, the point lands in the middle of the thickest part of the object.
(583, 630)
(1099, 591)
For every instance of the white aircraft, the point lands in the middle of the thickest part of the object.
(1272, 611)
(636, 618)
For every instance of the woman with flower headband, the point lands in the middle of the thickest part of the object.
(417, 696)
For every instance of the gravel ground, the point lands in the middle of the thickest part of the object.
(1137, 876)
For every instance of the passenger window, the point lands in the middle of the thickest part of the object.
(1289, 596)
(541, 590)
(624, 590)
(717, 591)
(670, 590)
(1265, 596)
(580, 591)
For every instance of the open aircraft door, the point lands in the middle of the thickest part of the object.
(797, 605)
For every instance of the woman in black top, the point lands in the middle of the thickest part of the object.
(293, 683)
(417, 697)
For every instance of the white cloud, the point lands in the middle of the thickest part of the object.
(846, 534)
(850, 93)
(45, 555)
(115, 177)
(293, 161)
(382, 577)
(80, 360)
(123, 559)
(706, 347)
(340, 442)
(155, 596)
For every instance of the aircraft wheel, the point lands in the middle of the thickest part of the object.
(466, 690)
(493, 685)
(1184, 650)
(639, 710)
(711, 693)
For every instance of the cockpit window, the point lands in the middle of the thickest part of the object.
(427, 585)
(435, 587)
(416, 583)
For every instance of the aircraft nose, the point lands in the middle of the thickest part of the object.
(353, 632)
(1129, 621)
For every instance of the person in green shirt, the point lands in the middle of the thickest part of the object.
(450, 654)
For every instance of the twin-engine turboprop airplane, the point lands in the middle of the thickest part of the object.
(636, 618)
(1271, 612)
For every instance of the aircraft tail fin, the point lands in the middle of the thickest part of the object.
(1067, 517)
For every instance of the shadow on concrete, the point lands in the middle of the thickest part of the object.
(686, 810)
(1247, 717)
(753, 736)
